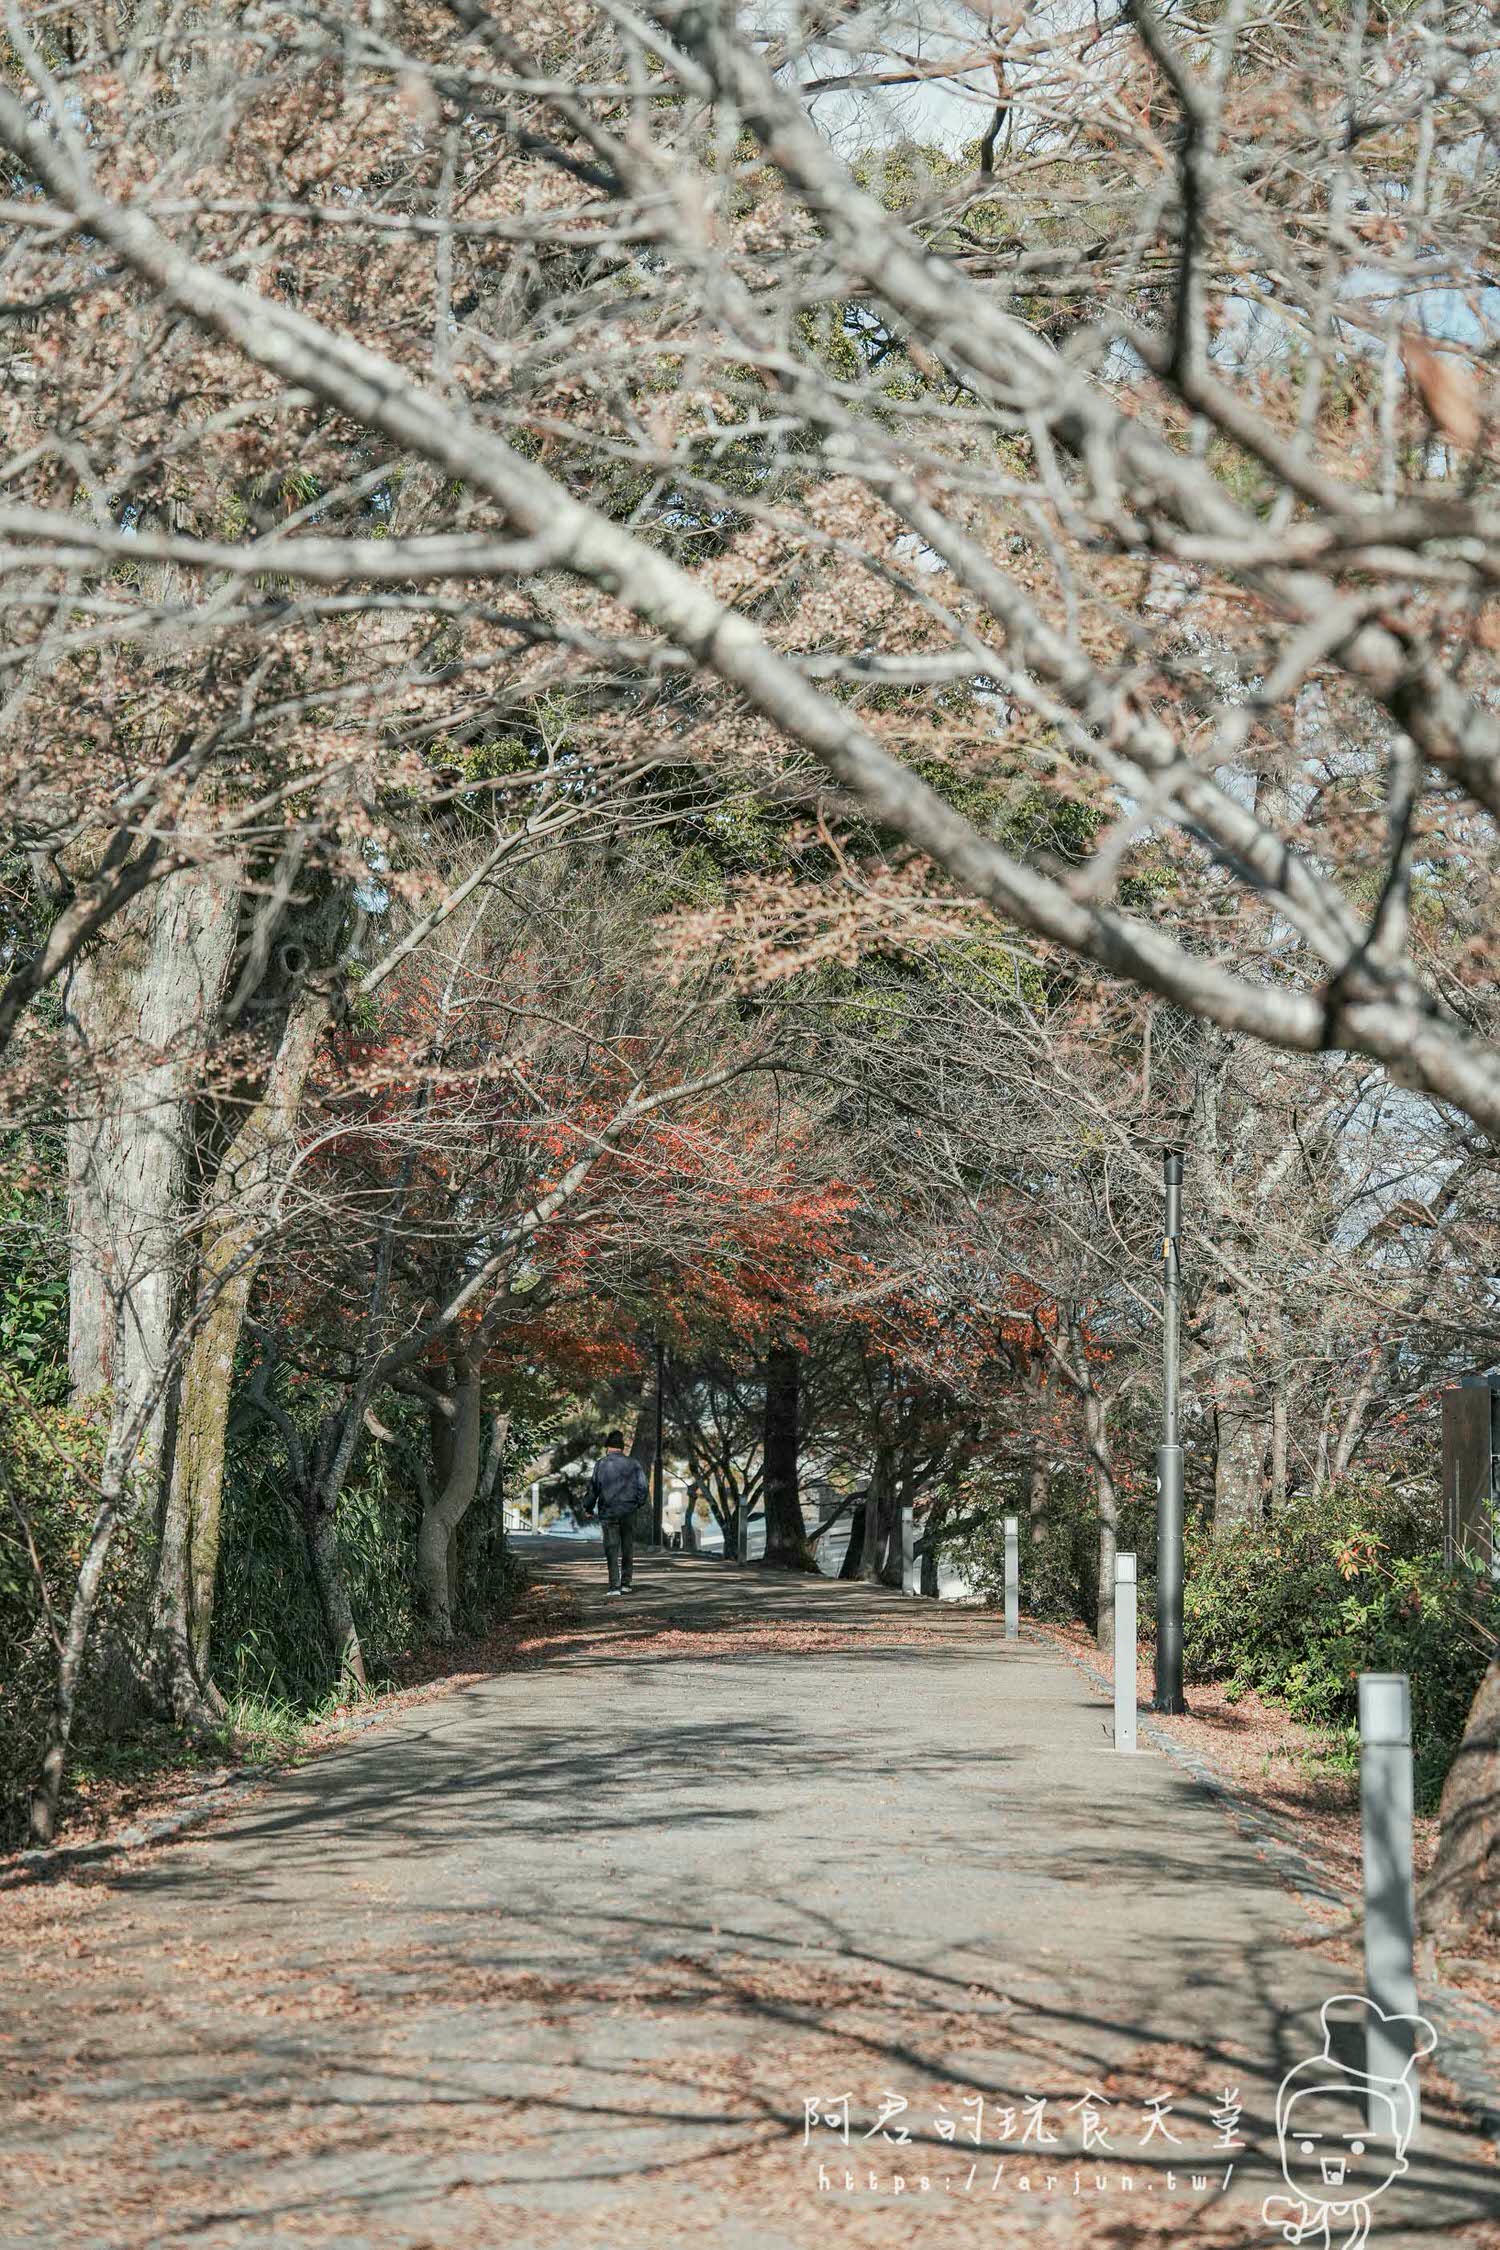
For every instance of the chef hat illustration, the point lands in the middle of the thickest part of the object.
(1346, 2020)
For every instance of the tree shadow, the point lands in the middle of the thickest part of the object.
(581, 1942)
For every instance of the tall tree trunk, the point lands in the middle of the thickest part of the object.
(241, 1218)
(449, 1502)
(1240, 1450)
(1279, 1433)
(1107, 1502)
(141, 1009)
(487, 1540)
(1038, 1488)
(882, 1521)
(1074, 1366)
(643, 1450)
(1280, 1444)
(494, 1457)
(851, 1566)
(1462, 1891)
(786, 1537)
(1320, 1463)
(1043, 1443)
(890, 1550)
(319, 1521)
(1357, 1414)
(320, 1484)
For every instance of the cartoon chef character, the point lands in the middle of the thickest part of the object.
(1343, 2133)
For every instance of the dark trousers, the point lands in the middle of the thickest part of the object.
(619, 1548)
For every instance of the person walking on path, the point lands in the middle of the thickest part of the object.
(617, 1488)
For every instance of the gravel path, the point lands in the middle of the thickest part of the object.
(562, 1958)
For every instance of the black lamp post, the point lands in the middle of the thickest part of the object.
(656, 1479)
(1169, 1459)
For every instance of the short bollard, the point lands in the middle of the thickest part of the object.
(1385, 1805)
(1012, 1578)
(536, 1507)
(1124, 1652)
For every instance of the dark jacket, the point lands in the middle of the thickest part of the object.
(617, 1486)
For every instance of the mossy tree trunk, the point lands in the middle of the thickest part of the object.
(449, 1497)
(241, 1221)
(141, 1010)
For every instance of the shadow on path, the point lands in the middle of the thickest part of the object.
(564, 1957)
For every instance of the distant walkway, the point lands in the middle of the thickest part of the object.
(561, 1959)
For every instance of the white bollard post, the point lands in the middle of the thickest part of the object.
(1124, 1652)
(1012, 1578)
(536, 1507)
(1385, 1805)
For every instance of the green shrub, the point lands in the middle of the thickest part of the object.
(1338, 1584)
(1057, 1565)
(33, 1272)
(268, 1640)
(49, 1464)
(489, 1577)
(1059, 1556)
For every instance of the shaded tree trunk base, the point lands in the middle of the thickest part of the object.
(802, 1559)
(179, 1694)
(1462, 1891)
(850, 1566)
(333, 1597)
(786, 1535)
